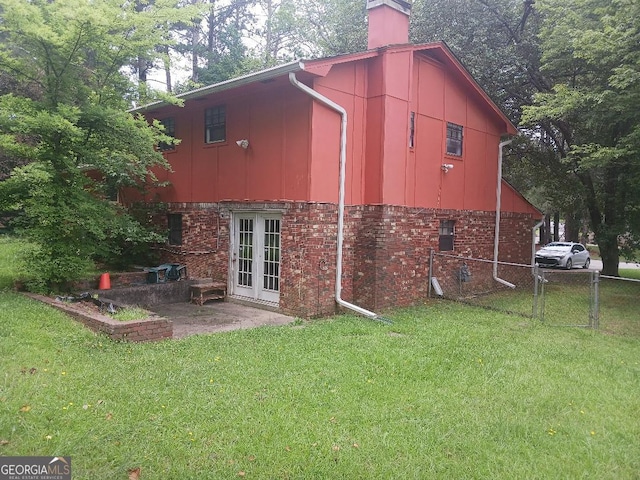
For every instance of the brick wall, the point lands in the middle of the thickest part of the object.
(205, 240)
(146, 330)
(385, 256)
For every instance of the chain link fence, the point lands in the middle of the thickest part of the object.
(577, 298)
(507, 287)
(568, 298)
(619, 305)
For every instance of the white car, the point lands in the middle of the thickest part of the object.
(563, 254)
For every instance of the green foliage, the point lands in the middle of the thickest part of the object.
(591, 58)
(75, 132)
(495, 39)
(568, 73)
(10, 251)
(331, 27)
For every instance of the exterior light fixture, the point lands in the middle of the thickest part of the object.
(446, 167)
(244, 143)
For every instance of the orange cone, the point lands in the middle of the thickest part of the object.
(105, 282)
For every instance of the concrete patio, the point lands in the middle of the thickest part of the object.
(216, 316)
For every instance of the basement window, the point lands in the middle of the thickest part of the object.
(454, 139)
(215, 124)
(169, 125)
(447, 230)
(175, 228)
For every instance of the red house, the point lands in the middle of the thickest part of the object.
(326, 183)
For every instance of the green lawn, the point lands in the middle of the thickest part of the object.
(630, 273)
(447, 391)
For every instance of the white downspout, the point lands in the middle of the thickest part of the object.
(343, 160)
(533, 242)
(496, 239)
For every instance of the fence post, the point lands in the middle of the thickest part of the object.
(543, 280)
(594, 313)
(536, 279)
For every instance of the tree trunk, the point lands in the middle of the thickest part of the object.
(546, 237)
(609, 254)
(167, 69)
(556, 226)
(211, 34)
(268, 33)
(195, 40)
(585, 232)
(572, 227)
(604, 225)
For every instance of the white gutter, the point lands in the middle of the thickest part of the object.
(496, 239)
(343, 160)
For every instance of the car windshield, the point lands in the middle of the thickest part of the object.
(558, 246)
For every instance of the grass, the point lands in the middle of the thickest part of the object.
(10, 249)
(130, 313)
(447, 391)
(630, 273)
(566, 301)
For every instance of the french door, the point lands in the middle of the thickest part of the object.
(256, 256)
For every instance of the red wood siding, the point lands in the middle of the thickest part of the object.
(294, 141)
(275, 166)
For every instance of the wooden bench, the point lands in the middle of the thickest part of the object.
(203, 292)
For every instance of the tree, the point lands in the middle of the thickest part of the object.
(214, 41)
(497, 40)
(591, 57)
(331, 27)
(67, 119)
(578, 61)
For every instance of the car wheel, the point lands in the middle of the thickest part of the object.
(587, 263)
(569, 264)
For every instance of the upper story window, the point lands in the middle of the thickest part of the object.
(454, 139)
(446, 231)
(215, 124)
(169, 125)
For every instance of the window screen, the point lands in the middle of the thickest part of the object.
(215, 124)
(454, 139)
(447, 228)
(169, 125)
(175, 228)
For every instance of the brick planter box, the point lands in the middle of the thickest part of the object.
(150, 329)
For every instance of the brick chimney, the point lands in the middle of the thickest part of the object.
(388, 22)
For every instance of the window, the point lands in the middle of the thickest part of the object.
(169, 125)
(215, 124)
(175, 228)
(412, 129)
(454, 139)
(446, 235)
(112, 191)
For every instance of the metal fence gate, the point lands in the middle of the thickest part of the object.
(567, 298)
